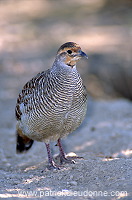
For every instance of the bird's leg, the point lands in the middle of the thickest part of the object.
(52, 164)
(63, 157)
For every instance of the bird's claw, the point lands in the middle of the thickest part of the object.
(53, 166)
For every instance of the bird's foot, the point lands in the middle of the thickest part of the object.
(70, 158)
(53, 166)
(65, 159)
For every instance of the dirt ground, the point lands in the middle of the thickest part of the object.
(105, 142)
(31, 31)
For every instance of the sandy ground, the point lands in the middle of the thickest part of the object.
(104, 140)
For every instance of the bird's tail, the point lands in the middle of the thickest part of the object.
(23, 143)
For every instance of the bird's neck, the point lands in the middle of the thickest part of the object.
(65, 75)
(60, 67)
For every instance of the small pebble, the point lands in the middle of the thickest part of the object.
(71, 177)
(60, 177)
(31, 176)
(93, 128)
(8, 164)
(74, 183)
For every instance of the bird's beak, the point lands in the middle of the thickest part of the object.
(82, 54)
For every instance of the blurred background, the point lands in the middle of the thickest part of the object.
(31, 31)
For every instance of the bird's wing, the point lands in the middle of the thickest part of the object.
(28, 91)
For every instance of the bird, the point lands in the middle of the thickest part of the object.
(52, 104)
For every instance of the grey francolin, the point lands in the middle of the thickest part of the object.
(52, 104)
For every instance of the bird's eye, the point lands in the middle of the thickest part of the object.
(69, 51)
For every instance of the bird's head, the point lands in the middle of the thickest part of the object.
(70, 53)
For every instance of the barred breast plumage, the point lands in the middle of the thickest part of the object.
(53, 103)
